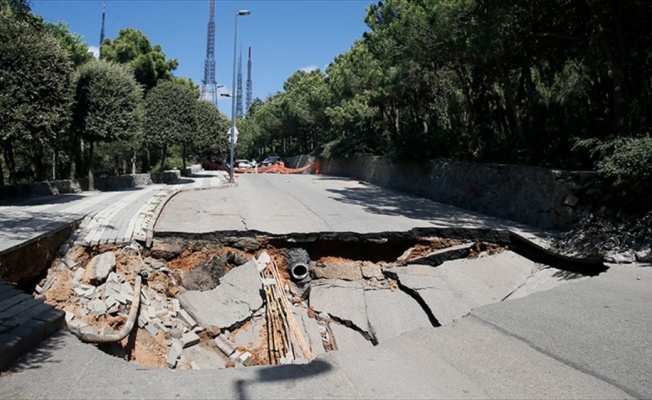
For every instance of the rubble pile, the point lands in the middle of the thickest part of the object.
(621, 240)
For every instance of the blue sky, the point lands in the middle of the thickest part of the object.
(285, 35)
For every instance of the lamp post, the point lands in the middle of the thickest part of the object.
(233, 93)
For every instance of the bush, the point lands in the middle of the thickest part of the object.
(628, 164)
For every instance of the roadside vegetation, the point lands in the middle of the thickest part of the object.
(64, 114)
(563, 84)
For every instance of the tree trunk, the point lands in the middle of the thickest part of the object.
(164, 156)
(10, 162)
(91, 183)
(183, 156)
(2, 175)
(55, 162)
(133, 164)
(469, 117)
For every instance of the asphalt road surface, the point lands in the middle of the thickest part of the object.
(280, 204)
(587, 339)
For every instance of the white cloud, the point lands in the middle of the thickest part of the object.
(309, 68)
(95, 50)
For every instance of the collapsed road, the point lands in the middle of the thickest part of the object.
(377, 272)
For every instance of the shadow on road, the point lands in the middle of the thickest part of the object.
(289, 373)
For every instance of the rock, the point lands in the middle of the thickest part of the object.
(166, 249)
(133, 248)
(624, 257)
(244, 243)
(372, 271)
(644, 255)
(230, 303)
(99, 267)
(349, 271)
(571, 201)
(205, 276)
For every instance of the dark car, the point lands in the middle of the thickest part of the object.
(271, 160)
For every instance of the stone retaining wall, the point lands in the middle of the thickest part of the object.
(532, 195)
(50, 188)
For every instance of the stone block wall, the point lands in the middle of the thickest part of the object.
(531, 195)
(50, 188)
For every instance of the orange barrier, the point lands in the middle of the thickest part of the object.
(274, 169)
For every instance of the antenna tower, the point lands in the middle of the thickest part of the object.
(238, 105)
(249, 84)
(208, 91)
(103, 18)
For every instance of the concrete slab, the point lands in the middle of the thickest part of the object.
(348, 339)
(392, 313)
(545, 278)
(341, 299)
(230, 303)
(456, 287)
(310, 329)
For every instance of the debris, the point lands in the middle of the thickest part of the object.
(99, 267)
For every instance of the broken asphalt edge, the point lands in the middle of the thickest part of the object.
(519, 243)
(157, 212)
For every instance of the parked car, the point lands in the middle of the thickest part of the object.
(242, 164)
(271, 160)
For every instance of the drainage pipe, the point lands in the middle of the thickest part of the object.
(122, 333)
(298, 261)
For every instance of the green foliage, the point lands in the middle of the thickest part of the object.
(624, 162)
(211, 134)
(35, 94)
(170, 117)
(134, 48)
(188, 83)
(77, 49)
(107, 102)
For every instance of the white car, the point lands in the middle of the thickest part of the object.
(242, 164)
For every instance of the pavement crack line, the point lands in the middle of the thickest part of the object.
(367, 335)
(416, 296)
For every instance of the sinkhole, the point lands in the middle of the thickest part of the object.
(219, 301)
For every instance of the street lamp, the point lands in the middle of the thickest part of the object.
(234, 95)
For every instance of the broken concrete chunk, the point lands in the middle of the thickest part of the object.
(70, 263)
(348, 271)
(152, 329)
(372, 271)
(230, 303)
(185, 317)
(99, 267)
(79, 275)
(97, 306)
(189, 339)
(172, 358)
(263, 260)
(246, 359)
(392, 313)
(224, 344)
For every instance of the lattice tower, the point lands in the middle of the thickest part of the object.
(208, 90)
(238, 105)
(103, 18)
(248, 99)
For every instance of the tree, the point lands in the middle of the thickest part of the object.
(108, 106)
(134, 48)
(212, 126)
(78, 51)
(35, 93)
(170, 117)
